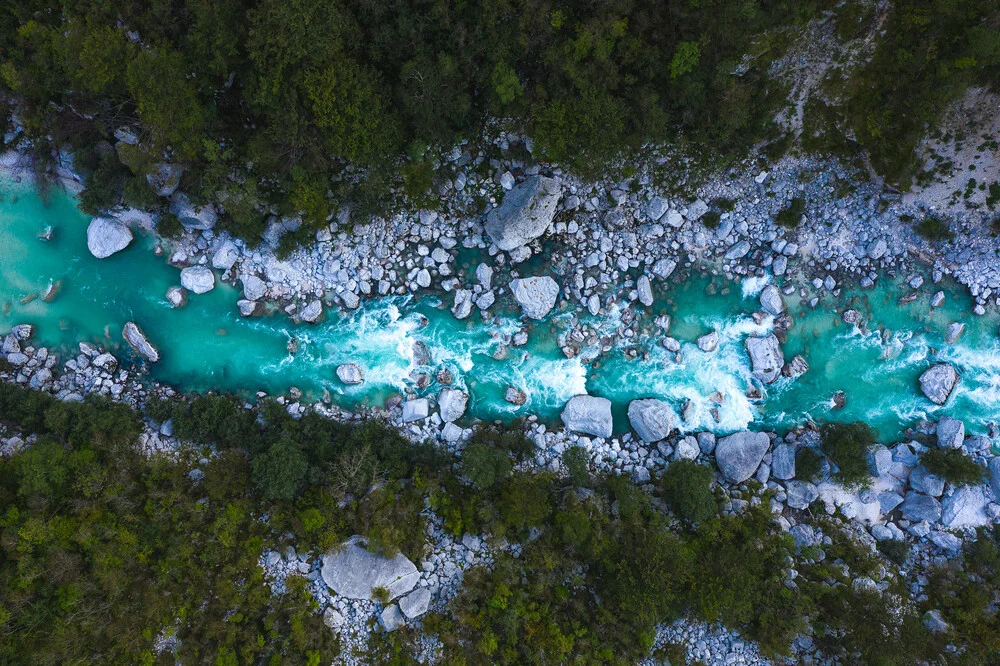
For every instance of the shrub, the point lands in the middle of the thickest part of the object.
(895, 551)
(933, 228)
(711, 219)
(953, 466)
(808, 463)
(169, 226)
(485, 466)
(577, 461)
(791, 215)
(847, 444)
(687, 489)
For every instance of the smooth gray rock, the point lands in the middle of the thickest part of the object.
(766, 358)
(463, 303)
(706, 442)
(415, 603)
(738, 251)
(950, 433)
(771, 301)
(993, 468)
(645, 290)
(924, 482)
(391, 618)
(312, 312)
(350, 373)
(934, 622)
(536, 295)
(176, 296)
(966, 507)
(106, 235)
(709, 342)
(353, 572)
(22, 331)
(253, 287)
(452, 404)
(740, 454)
(137, 340)
(589, 415)
(783, 462)
(889, 500)
(484, 274)
(195, 218)
(938, 381)
(800, 494)
(515, 396)
(198, 279)
(247, 308)
(917, 507)
(879, 460)
(525, 213)
(651, 419)
(415, 410)
(225, 256)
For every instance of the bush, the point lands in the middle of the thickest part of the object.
(791, 215)
(953, 466)
(577, 461)
(895, 551)
(169, 226)
(933, 228)
(847, 444)
(808, 463)
(485, 466)
(687, 489)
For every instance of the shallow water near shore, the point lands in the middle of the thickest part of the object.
(206, 345)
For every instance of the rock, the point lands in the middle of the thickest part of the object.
(738, 251)
(740, 454)
(536, 295)
(350, 373)
(463, 303)
(945, 541)
(924, 482)
(663, 268)
(954, 332)
(709, 342)
(994, 473)
(687, 449)
(589, 415)
(391, 618)
(137, 341)
(333, 618)
(879, 460)
(889, 500)
(22, 331)
(515, 396)
(195, 218)
(525, 214)
(934, 622)
(350, 300)
(484, 275)
(165, 178)
(247, 308)
(451, 432)
(105, 236)
(877, 248)
(800, 494)
(651, 419)
(11, 345)
(938, 381)
(766, 358)
(917, 507)
(645, 290)
(656, 208)
(198, 279)
(783, 462)
(696, 210)
(415, 603)
(795, 368)
(771, 300)
(851, 316)
(452, 404)
(353, 572)
(706, 442)
(253, 287)
(312, 312)
(415, 410)
(950, 433)
(225, 257)
(106, 361)
(176, 296)
(966, 507)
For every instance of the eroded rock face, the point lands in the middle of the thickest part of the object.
(536, 295)
(137, 340)
(766, 357)
(740, 454)
(589, 415)
(525, 214)
(353, 572)
(106, 235)
(651, 419)
(938, 381)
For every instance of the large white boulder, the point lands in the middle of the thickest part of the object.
(771, 301)
(589, 415)
(525, 214)
(350, 373)
(198, 279)
(137, 340)
(452, 404)
(651, 419)
(106, 235)
(740, 454)
(536, 295)
(766, 358)
(938, 381)
(353, 572)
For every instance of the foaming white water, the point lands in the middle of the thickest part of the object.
(980, 372)
(752, 286)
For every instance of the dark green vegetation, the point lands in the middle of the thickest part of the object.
(953, 466)
(301, 104)
(847, 446)
(933, 228)
(687, 490)
(791, 215)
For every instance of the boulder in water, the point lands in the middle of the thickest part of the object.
(536, 295)
(515, 396)
(463, 303)
(312, 312)
(452, 404)
(589, 415)
(253, 287)
(354, 573)
(177, 296)
(350, 373)
(248, 308)
(137, 340)
(198, 279)
(106, 235)
(709, 342)
(740, 454)
(766, 358)
(651, 419)
(525, 214)
(645, 290)
(771, 301)
(938, 381)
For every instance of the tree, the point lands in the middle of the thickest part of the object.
(485, 466)
(847, 445)
(687, 488)
(280, 471)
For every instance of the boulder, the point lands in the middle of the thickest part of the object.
(651, 419)
(391, 618)
(589, 415)
(645, 290)
(525, 213)
(709, 342)
(311, 312)
(771, 301)
(938, 381)
(177, 296)
(994, 474)
(452, 404)
(416, 410)
(917, 507)
(783, 462)
(966, 507)
(253, 287)
(106, 235)
(198, 279)
(463, 303)
(137, 340)
(247, 308)
(353, 572)
(800, 494)
(22, 331)
(766, 358)
(924, 482)
(350, 373)
(225, 256)
(165, 178)
(415, 603)
(740, 454)
(195, 218)
(484, 275)
(515, 396)
(950, 433)
(536, 295)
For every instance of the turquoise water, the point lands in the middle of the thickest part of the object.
(207, 345)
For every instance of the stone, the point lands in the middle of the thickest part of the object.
(656, 208)
(106, 236)
(966, 507)
(771, 301)
(651, 419)
(312, 312)
(687, 449)
(795, 368)
(917, 507)
(333, 618)
(417, 409)
(193, 217)
(415, 603)
(889, 500)
(463, 303)
(993, 467)
(879, 460)
(22, 331)
(706, 442)
(452, 404)
(800, 494)
(525, 213)
(738, 251)
(165, 178)
(740, 454)
(247, 308)
(137, 340)
(353, 572)
(709, 342)
(954, 332)
(934, 622)
(176, 296)
(198, 279)
(225, 256)
(391, 618)
(515, 396)
(945, 541)
(589, 415)
(663, 268)
(765, 357)
(451, 432)
(924, 482)
(484, 275)
(783, 462)
(350, 300)
(696, 210)
(536, 295)
(938, 381)
(253, 287)
(645, 290)
(877, 248)
(950, 433)
(350, 373)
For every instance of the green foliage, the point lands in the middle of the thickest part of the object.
(933, 228)
(791, 215)
(808, 463)
(485, 466)
(847, 445)
(577, 461)
(953, 466)
(687, 489)
(169, 226)
(895, 551)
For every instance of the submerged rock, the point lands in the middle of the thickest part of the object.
(137, 341)
(651, 419)
(740, 454)
(938, 381)
(536, 295)
(106, 235)
(766, 358)
(350, 373)
(354, 573)
(589, 415)
(525, 214)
